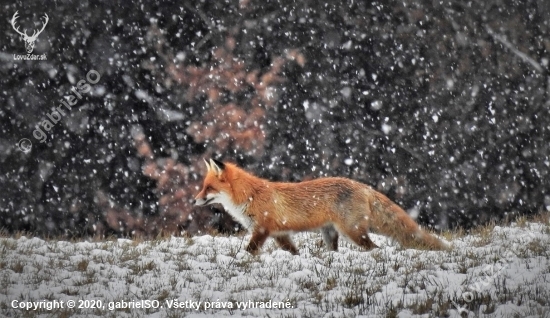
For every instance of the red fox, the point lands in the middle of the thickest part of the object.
(277, 209)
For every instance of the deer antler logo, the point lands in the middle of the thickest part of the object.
(29, 40)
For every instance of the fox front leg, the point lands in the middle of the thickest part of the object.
(286, 244)
(330, 237)
(258, 239)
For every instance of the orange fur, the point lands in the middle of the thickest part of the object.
(276, 209)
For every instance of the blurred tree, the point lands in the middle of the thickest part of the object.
(441, 105)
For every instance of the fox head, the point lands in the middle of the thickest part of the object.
(215, 188)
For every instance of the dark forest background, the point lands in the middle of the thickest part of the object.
(442, 105)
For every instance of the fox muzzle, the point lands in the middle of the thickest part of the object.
(202, 202)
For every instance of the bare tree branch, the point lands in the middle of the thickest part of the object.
(526, 58)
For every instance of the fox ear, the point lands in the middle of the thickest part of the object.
(217, 166)
(207, 165)
(220, 164)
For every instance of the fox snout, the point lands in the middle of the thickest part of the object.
(201, 201)
(200, 198)
(198, 201)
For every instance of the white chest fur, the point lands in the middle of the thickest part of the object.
(238, 212)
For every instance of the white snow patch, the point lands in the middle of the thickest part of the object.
(508, 269)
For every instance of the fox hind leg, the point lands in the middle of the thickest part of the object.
(358, 233)
(286, 244)
(330, 237)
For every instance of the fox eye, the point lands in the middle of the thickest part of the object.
(209, 188)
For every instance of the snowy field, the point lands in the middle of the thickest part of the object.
(496, 272)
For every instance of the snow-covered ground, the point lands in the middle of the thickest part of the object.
(498, 272)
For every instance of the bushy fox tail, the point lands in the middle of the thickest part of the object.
(391, 220)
